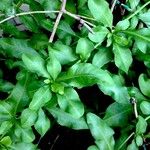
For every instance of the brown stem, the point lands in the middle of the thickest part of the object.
(58, 20)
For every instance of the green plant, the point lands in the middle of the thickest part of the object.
(54, 57)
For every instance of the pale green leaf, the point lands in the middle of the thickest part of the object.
(145, 107)
(40, 98)
(123, 25)
(134, 3)
(93, 147)
(145, 17)
(141, 125)
(101, 12)
(132, 146)
(70, 103)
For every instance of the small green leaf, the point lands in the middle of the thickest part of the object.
(123, 25)
(81, 75)
(145, 17)
(101, 12)
(102, 57)
(40, 98)
(57, 88)
(145, 107)
(141, 125)
(68, 120)
(5, 127)
(123, 57)
(6, 141)
(92, 147)
(28, 118)
(144, 84)
(117, 114)
(120, 40)
(134, 3)
(70, 103)
(84, 48)
(53, 66)
(42, 124)
(99, 34)
(132, 146)
(139, 140)
(35, 64)
(101, 132)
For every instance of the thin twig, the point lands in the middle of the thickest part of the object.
(134, 103)
(27, 13)
(58, 20)
(83, 22)
(54, 142)
(113, 5)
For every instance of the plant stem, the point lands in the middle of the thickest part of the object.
(85, 23)
(147, 118)
(27, 13)
(58, 20)
(113, 5)
(126, 140)
(136, 12)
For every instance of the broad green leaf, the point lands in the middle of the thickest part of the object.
(145, 107)
(123, 57)
(53, 66)
(145, 17)
(113, 86)
(132, 146)
(24, 134)
(117, 114)
(63, 53)
(101, 132)
(84, 48)
(24, 146)
(144, 84)
(70, 103)
(123, 25)
(40, 98)
(141, 125)
(102, 57)
(134, 3)
(93, 147)
(42, 124)
(81, 75)
(28, 118)
(139, 140)
(29, 23)
(6, 141)
(99, 34)
(5, 127)
(35, 63)
(6, 111)
(15, 47)
(65, 119)
(101, 12)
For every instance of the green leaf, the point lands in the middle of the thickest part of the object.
(70, 103)
(35, 63)
(81, 75)
(5, 127)
(92, 147)
(24, 135)
(144, 84)
(113, 86)
(84, 48)
(24, 146)
(101, 132)
(57, 88)
(63, 53)
(42, 124)
(139, 140)
(102, 57)
(123, 57)
(145, 17)
(132, 146)
(117, 115)
(29, 23)
(99, 34)
(141, 125)
(134, 3)
(123, 25)
(53, 66)
(65, 119)
(6, 141)
(101, 12)
(28, 118)
(40, 98)
(15, 47)
(145, 107)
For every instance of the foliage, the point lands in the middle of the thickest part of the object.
(85, 50)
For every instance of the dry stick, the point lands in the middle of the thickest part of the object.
(27, 13)
(113, 5)
(85, 23)
(57, 20)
